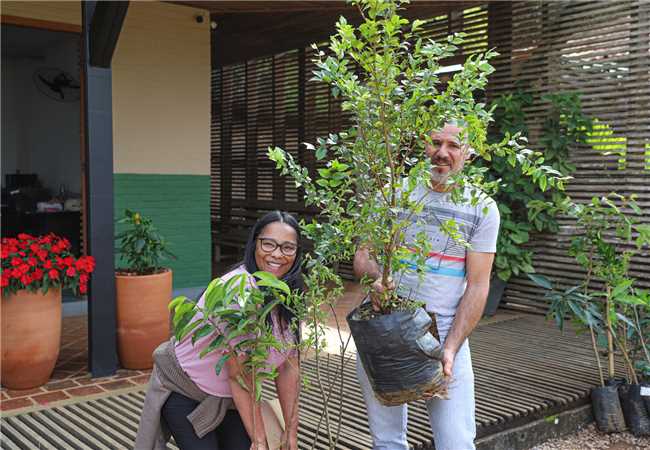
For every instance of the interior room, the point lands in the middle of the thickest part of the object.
(41, 134)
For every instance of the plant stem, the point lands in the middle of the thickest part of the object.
(630, 366)
(637, 322)
(321, 388)
(595, 347)
(591, 328)
(342, 350)
(610, 341)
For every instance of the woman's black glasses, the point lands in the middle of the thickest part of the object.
(269, 245)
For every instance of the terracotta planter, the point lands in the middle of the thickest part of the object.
(142, 316)
(31, 337)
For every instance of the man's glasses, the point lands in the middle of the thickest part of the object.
(269, 245)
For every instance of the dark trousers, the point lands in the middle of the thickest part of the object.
(229, 435)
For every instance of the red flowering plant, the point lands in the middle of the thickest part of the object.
(42, 262)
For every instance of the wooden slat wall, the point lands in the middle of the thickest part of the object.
(255, 105)
(271, 101)
(600, 49)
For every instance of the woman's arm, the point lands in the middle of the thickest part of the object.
(288, 386)
(244, 402)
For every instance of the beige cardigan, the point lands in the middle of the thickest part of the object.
(168, 377)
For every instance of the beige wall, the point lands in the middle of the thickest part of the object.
(54, 11)
(161, 91)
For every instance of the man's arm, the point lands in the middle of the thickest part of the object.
(469, 312)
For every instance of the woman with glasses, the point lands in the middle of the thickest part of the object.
(203, 410)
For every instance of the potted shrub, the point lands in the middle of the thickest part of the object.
(615, 314)
(143, 288)
(632, 328)
(527, 205)
(387, 78)
(34, 270)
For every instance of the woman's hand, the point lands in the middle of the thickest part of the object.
(288, 443)
(260, 445)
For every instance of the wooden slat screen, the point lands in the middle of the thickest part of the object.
(600, 49)
(271, 101)
(597, 48)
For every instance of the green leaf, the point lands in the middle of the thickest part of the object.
(185, 327)
(541, 280)
(543, 183)
(267, 309)
(222, 362)
(270, 280)
(214, 345)
(417, 24)
(621, 288)
(202, 332)
(631, 300)
(235, 334)
(176, 301)
(258, 389)
(181, 311)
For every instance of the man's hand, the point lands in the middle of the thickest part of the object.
(376, 291)
(448, 357)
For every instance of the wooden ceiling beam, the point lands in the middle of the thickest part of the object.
(252, 29)
(239, 37)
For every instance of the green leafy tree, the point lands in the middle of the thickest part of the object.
(387, 76)
(528, 204)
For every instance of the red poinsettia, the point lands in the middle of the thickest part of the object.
(42, 262)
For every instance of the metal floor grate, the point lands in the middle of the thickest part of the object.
(525, 369)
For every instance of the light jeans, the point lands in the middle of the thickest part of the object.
(452, 421)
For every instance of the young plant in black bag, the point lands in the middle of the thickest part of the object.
(367, 176)
(616, 315)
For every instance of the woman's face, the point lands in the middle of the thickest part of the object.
(276, 248)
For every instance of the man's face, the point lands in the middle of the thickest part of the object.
(447, 153)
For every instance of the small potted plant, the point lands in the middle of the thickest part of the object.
(34, 270)
(143, 288)
(615, 314)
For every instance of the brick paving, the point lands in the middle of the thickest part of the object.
(70, 378)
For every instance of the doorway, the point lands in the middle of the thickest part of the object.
(42, 171)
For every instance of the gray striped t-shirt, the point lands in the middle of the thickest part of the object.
(444, 280)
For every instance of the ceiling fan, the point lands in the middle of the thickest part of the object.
(57, 84)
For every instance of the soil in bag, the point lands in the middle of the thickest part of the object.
(634, 410)
(399, 355)
(607, 409)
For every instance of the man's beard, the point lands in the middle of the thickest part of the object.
(439, 179)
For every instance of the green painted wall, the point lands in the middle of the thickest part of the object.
(179, 206)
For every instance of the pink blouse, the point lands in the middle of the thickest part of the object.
(201, 370)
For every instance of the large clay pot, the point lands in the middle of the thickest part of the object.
(31, 337)
(142, 316)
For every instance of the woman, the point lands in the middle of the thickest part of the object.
(203, 410)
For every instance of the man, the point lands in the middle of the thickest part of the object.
(454, 288)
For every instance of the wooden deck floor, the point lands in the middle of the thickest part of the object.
(525, 369)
